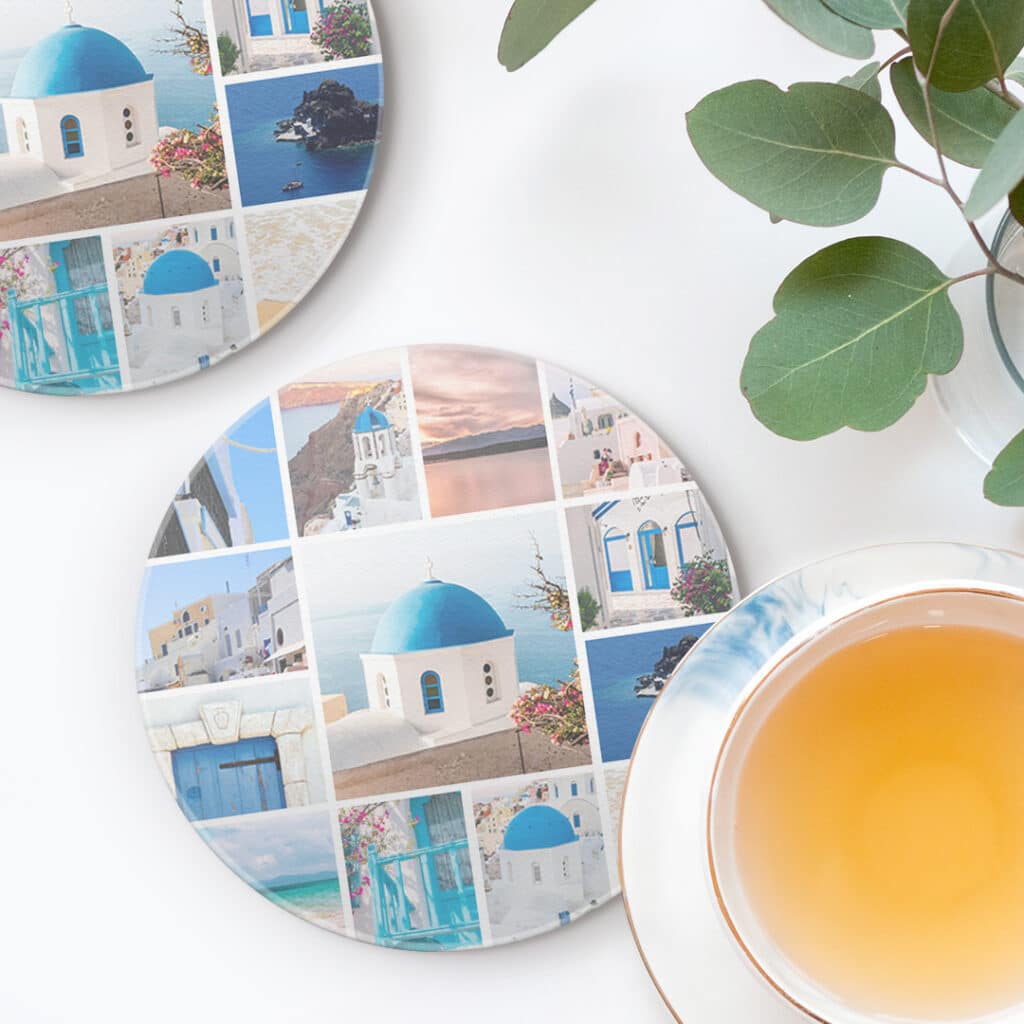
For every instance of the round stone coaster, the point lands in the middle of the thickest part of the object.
(400, 628)
(162, 205)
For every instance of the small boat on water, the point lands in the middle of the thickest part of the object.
(292, 186)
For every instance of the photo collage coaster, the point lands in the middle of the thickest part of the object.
(400, 628)
(174, 178)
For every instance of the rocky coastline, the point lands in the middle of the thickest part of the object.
(330, 117)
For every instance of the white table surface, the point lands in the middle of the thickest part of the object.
(559, 212)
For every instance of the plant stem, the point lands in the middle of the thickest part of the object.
(921, 174)
(926, 91)
(898, 55)
(994, 266)
(1002, 90)
(986, 272)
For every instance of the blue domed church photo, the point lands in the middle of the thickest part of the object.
(431, 653)
(441, 669)
(84, 112)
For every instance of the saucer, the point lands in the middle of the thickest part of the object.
(172, 186)
(400, 627)
(700, 971)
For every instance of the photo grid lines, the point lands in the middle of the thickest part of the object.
(91, 356)
(417, 450)
(467, 790)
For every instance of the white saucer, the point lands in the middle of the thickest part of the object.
(701, 974)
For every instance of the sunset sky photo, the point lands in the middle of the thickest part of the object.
(463, 391)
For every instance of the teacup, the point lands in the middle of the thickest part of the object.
(865, 822)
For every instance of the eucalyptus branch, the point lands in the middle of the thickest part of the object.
(1002, 90)
(898, 55)
(927, 93)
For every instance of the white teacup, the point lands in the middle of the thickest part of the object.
(985, 607)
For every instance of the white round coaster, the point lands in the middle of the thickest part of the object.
(170, 188)
(400, 628)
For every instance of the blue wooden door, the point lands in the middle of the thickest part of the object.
(450, 881)
(235, 778)
(296, 17)
(616, 556)
(259, 24)
(652, 556)
(687, 538)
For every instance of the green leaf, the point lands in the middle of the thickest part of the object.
(967, 123)
(531, 25)
(980, 42)
(858, 328)
(1017, 203)
(872, 13)
(1003, 170)
(815, 154)
(813, 19)
(865, 80)
(1004, 484)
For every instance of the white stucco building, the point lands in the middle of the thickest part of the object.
(207, 512)
(541, 860)
(180, 296)
(272, 33)
(441, 668)
(629, 552)
(81, 112)
(550, 861)
(280, 619)
(214, 241)
(598, 428)
(209, 641)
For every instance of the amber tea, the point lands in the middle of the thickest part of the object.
(878, 819)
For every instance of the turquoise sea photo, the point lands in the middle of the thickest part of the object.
(288, 857)
(616, 664)
(267, 164)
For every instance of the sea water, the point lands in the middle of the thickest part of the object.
(265, 165)
(615, 664)
(544, 654)
(880, 823)
(318, 901)
(489, 481)
(301, 421)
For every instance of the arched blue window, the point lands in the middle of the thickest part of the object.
(575, 821)
(71, 135)
(652, 556)
(216, 265)
(616, 556)
(575, 789)
(213, 234)
(687, 543)
(433, 698)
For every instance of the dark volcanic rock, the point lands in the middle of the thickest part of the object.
(322, 469)
(666, 664)
(671, 656)
(337, 117)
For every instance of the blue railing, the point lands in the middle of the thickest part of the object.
(448, 915)
(62, 342)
